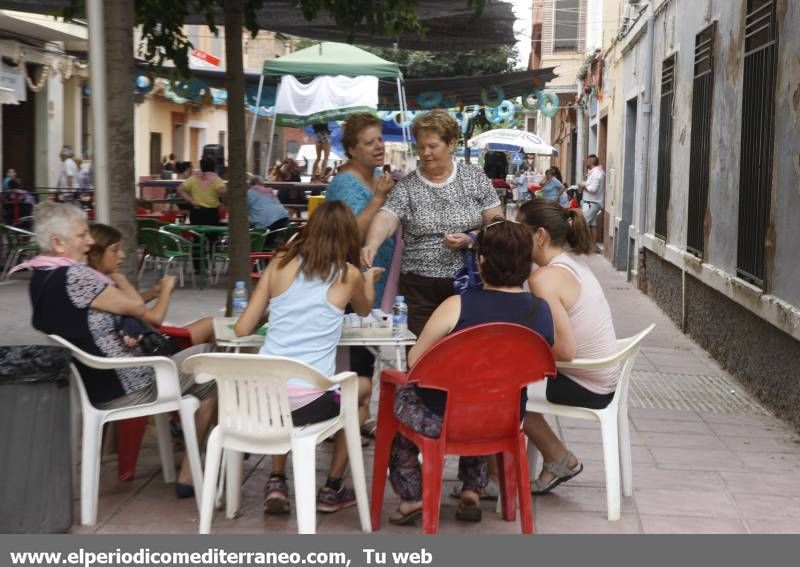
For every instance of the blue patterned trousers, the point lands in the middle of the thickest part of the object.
(405, 472)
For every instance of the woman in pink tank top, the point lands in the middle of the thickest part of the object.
(583, 325)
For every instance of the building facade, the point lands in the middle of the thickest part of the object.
(182, 128)
(558, 39)
(43, 95)
(703, 99)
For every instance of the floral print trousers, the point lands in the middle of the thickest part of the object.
(405, 472)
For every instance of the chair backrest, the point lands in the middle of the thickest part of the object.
(165, 370)
(257, 238)
(278, 236)
(148, 237)
(77, 381)
(251, 389)
(625, 357)
(170, 242)
(483, 369)
(149, 223)
(17, 236)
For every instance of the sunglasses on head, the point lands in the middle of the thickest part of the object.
(495, 223)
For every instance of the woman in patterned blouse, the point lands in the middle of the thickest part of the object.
(437, 205)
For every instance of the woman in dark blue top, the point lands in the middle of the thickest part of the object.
(504, 258)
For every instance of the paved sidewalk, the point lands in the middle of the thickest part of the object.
(707, 457)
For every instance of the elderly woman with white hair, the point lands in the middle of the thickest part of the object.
(263, 206)
(72, 300)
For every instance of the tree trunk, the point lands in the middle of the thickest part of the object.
(238, 223)
(118, 16)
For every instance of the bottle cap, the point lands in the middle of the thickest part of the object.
(239, 284)
(399, 298)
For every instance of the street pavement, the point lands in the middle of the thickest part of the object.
(707, 457)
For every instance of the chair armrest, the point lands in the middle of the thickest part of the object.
(168, 385)
(395, 377)
(340, 377)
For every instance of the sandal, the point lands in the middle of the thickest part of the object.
(490, 492)
(406, 519)
(560, 471)
(468, 512)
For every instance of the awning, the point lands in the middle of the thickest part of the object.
(332, 59)
(451, 24)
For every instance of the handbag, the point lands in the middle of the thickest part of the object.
(152, 343)
(467, 278)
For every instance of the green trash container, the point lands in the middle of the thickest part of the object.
(35, 440)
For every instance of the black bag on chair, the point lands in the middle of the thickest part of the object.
(152, 342)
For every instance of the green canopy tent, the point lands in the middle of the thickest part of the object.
(328, 59)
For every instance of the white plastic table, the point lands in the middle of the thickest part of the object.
(373, 338)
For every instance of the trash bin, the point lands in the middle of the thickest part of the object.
(35, 460)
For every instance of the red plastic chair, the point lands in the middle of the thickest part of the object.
(131, 431)
(482, 369)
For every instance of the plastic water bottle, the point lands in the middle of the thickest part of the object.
(239, 299)
(399, 317)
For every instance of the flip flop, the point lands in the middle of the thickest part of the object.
(468, 512)
(406, 519)
(560, 471)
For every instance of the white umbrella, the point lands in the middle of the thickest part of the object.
(513, 140)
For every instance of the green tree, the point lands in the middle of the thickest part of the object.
(430, 64)
(163, 39)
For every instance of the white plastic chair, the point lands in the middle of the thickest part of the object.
(254, 417)
(168, 399)
(613, 418)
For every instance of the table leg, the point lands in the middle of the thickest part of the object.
(201, 239)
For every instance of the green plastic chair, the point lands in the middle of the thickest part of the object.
(149, 223)
(220, 250)
(19, 243)
(277, 237)
(165, 250)
(177, 250)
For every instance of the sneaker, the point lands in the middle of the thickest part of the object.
(276, 496)
(330, 500)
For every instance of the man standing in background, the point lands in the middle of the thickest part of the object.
(593, 192)
(68, 178)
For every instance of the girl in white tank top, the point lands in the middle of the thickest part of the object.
(583, 325)
(307, 287)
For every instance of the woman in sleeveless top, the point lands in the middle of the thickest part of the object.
(307, 287)
(504, 249)
(584, 328)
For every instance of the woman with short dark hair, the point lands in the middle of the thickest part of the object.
(504, 250)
